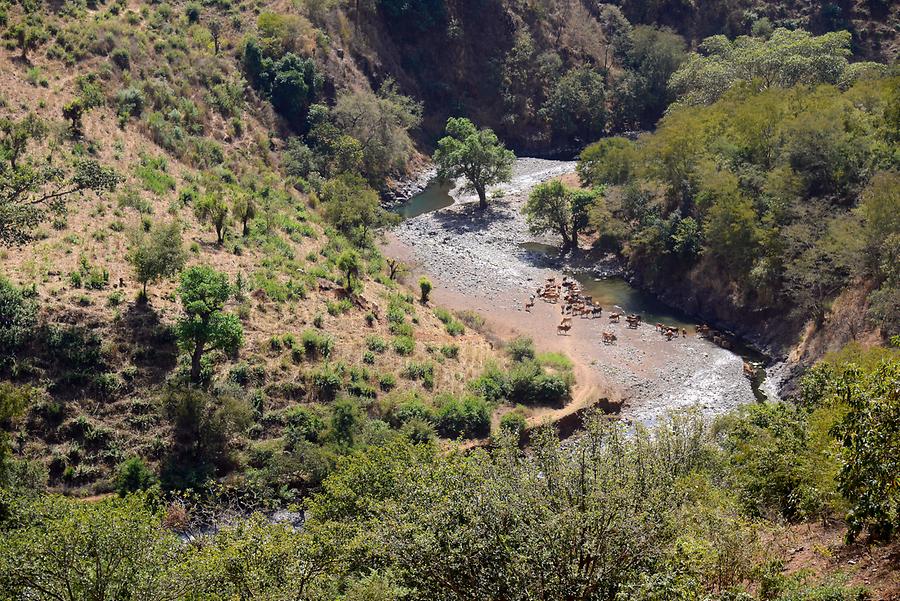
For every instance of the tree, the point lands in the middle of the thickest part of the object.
(212, 209)
(29, 189)
(215, 30)
(641, 95)
(67, 550)
(381, 123)
(554, 207)
(870, 437)
(13, 401)
(157, 255)
(784, 59)
(205, 326)
(348, 263)
(203, 427)
(354, 208)
(576, 107)
(424, 289)
(29, 33)
(133, 476)
(244, 208)
(477, 155)
(609, 161)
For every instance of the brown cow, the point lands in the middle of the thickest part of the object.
(608, 337)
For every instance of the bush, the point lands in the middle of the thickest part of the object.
(514, 423)
(420, 371)
(301, 425)
(404, 345)
(17, 318)
(520, 349)
(130, 102)
(527, 383)
(376, 344)
(316, 344)
(451, 351)
(424, 289)
(467, 418)
(387, 382)
(133, 475)
(326, 383)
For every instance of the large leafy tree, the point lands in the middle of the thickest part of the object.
(354, 208)
(870, 437)
(157, 255)
(552, 206)
(475, 154)
(381, 123)
(30, 189)
(68, 550)
(783, 60)
(576, 107)
(205, 326)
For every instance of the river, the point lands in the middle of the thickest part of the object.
(490, 262)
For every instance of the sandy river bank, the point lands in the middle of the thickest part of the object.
(476, 262)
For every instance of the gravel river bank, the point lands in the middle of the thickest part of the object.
(477, 261)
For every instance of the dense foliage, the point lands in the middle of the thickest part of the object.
(772, 193)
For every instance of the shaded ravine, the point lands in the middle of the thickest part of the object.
(478, 262)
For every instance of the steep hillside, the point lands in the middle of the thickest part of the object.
(172, 119)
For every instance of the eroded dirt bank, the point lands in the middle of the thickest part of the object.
(475, 261)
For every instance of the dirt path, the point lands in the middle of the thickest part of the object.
(476, 263)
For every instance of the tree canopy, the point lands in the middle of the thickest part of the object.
(786, 58)
(205, 326)
(30, 189)
(475, 154)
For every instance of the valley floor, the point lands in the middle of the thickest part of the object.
(476, 262)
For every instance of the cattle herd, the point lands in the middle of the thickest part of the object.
(573, 303)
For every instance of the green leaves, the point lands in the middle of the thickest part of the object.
(787, 58)
(477, 155)
(204, 327)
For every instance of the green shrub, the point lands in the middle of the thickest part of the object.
(451, 351)
(316, 344)
(133, 475)
(17, 319)
(404, 345)
(455, 328)
(301, 424)
(420, 371)
(521, 348)
(387, 382)
(466, 418)
(326, 383)
(514, 423)
(412, 409)
(425, 287)
(527, 383)
(338, 307)
(490, 385)
(152, 172)
(376, 344)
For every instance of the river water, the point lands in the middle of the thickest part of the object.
(490, 262)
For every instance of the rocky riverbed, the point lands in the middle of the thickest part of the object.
(477, 262)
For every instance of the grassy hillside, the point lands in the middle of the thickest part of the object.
(178, 126)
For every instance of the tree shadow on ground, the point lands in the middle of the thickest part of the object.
(149, 342)
(467, 218)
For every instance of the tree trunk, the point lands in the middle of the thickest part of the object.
(196, 356)
(482, 197)
(246, 231)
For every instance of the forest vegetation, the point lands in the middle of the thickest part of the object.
(200, 335)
